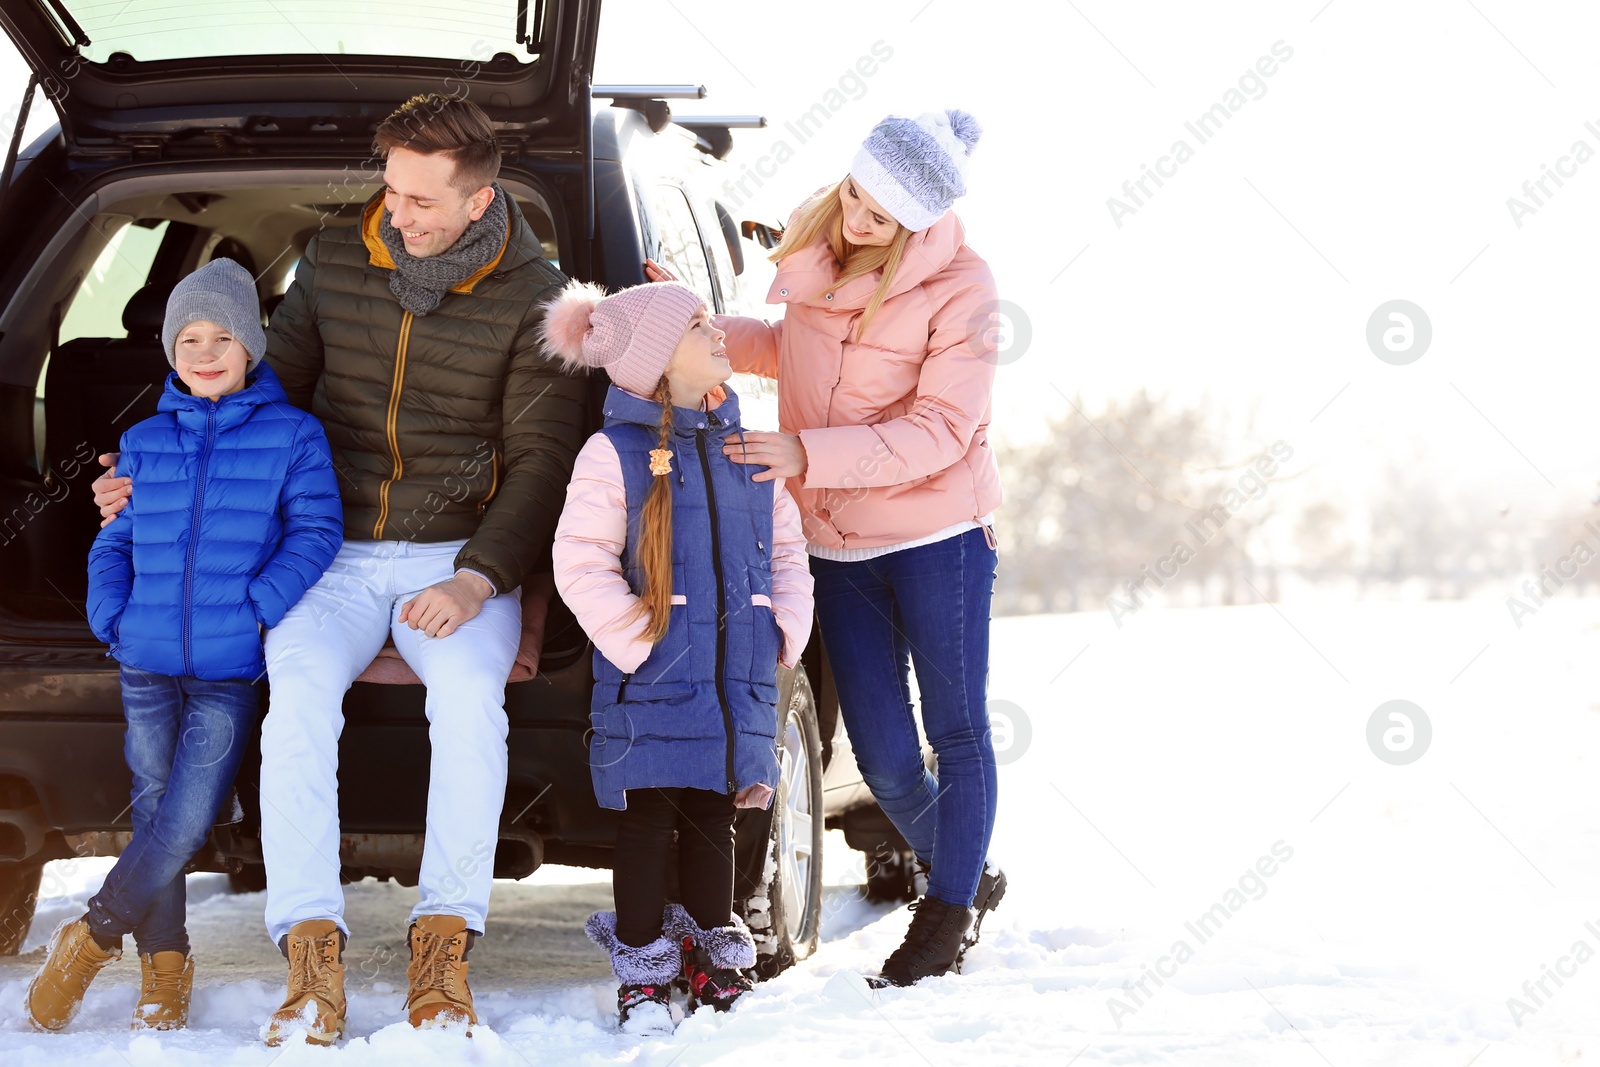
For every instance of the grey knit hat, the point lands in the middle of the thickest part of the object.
(916, 167)
(221, 292)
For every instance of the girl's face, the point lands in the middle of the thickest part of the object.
(865, 221)
(698, 364)
(210, 361)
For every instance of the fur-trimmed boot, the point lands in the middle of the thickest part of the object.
(716, 962)
(644, 997)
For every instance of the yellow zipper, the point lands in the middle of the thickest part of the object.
(389, 425)
(494, 479)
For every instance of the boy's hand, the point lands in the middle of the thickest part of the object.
(110, 492)
(439, 609)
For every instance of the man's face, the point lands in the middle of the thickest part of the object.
(427, 210)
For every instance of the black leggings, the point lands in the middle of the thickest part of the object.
(704, 821)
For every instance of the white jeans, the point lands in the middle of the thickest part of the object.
(313, 655)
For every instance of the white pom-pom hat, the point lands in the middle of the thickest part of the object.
(916, 168)
(631, 333)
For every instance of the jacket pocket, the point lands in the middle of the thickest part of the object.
(766, 637)
(671, 661)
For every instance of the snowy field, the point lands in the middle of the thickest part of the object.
(1209, 865)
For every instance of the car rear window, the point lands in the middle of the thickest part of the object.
(149, 30)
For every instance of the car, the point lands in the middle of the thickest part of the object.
(168, 154)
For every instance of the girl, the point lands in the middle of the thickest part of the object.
(690, 577)
(237, 516)
(885, 362)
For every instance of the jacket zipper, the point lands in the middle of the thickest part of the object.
(494, 480)
(390, 421)
(722, 608)
(194, 540)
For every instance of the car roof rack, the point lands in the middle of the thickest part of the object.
(712, 132)
(650, 100)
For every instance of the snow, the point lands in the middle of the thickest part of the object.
(1207, 865)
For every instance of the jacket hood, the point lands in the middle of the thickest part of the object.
(261, 386)
(807, 276)
(623, 406)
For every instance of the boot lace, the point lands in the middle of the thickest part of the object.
(435, 964)
(927, 926)
(309, 963)
(158, 982)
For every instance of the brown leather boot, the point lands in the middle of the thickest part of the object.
(437, 973)
(56, 992)
(164, 991)
(315, 1005)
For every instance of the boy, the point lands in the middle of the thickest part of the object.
(237, 514)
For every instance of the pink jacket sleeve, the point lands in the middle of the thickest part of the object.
(791, 575)
(953, 396)
(752, 344)
(587, 554)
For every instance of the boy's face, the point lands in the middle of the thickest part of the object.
(211, 362)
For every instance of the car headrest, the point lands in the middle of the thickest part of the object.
(145, 310)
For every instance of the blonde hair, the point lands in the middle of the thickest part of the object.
(823, 219)
(654, 546)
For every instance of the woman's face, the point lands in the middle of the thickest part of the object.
(865, 221)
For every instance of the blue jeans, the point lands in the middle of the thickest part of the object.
(184, 743)
(927, 606)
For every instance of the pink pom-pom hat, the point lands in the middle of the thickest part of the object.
(631, 333)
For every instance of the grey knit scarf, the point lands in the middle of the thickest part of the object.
(420, 283)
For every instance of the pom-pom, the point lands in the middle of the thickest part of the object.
(567, 322)
(965, 127)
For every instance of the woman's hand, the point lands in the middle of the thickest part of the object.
(783, 454)
(657, 273)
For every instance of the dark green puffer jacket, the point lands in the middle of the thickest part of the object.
(443, 426)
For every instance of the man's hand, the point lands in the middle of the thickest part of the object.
(782, 453)
(439, 609)
(110, 492)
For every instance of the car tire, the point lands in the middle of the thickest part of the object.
(784, 912)
(19, 892)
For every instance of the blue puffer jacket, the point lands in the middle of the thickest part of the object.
(700, 711)
(235, 514)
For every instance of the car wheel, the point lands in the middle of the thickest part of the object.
(784, 912)
(19, 891)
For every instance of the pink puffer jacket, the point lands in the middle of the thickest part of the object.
(895, 426)
(588, 568)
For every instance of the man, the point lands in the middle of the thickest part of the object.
(413, 338)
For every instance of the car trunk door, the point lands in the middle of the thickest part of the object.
(235, 78)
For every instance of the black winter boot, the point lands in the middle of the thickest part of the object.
(715, 961)
(991, 890)
(646, 972)
(932, 945)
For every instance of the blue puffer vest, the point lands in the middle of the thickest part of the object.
(234, 515)
(700, 712)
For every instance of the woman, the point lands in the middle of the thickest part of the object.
(885, 363)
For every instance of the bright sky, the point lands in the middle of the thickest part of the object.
(1372, 164)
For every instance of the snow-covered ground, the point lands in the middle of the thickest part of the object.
(1209, 865)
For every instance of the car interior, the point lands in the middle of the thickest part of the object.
(81, 358)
